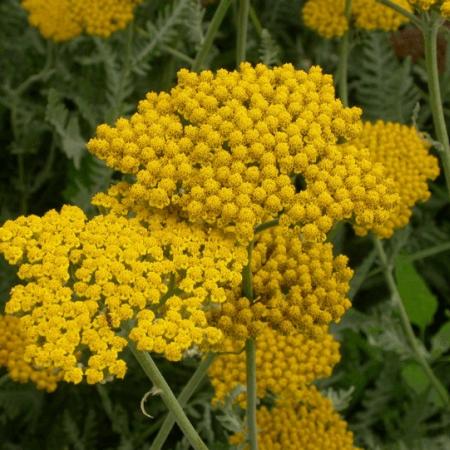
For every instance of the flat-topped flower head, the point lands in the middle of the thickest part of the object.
(224, 149)
(62, 20)
(88, 284)
(13, 342)
(309, 424)
(298, 287)
(405, 154)
(327, 17)
(285, 364)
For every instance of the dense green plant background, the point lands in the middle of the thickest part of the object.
(51, 99)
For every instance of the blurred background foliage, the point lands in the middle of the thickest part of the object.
(52, 96)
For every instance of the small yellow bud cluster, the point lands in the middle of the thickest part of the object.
(223, 147)
(425, 5)
(327, 17)
(61, 20)
(310, 424)
(405, 155)
(297, 286)
(13, 340)
(87, 282)
(445, 9)
(285, 364)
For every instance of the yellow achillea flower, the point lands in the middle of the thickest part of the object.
(285, 364)
(327, 17)
(297, 286)
(224, 148)
(445, 9)
(13, 340)
(423, 4)
(61, 20)
(90, 282)
(405, 155)
(310, 424)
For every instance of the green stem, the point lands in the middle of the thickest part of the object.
(344, 45)
(242, 27)
(155, 376)
(210, 35)
(183, 398)
(247, 281)
(429, 252)
(396, 298)
(409, 15)
(250, 352)
(266, 225)
(430, 35)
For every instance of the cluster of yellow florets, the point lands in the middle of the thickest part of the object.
(88, 281)
(425, 5)
(62, 20)
(285, 364)
(310, 424)
(297, 286)
(347, 184)
(13, 341)
(327, 17)
(405, 155)
(223, 150)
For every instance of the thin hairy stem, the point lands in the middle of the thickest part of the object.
(430, 35)
(155, 376)
(242, 27)
(250, 352)
(183, 398)
(210, 35)
(397, 300)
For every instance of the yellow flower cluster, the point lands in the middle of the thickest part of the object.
(425, 5)
(327, 17)
(13, 340)
(61, 20)
(311, 424)
(224, 149)
(285, 364)
(405, 155)
(89, 282)
(297, 286)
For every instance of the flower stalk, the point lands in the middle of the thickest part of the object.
(241, 47)
(151, 370)
(214, 25)
(406, 324)
(430, 35)
(250, 352)
(187, 392)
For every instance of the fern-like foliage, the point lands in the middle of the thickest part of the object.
(164, 30)
(384, 86)
(193, 22)
(269, 52)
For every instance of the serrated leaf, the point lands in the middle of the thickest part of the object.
(419, 301)
(440, 342)
(415, 377)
